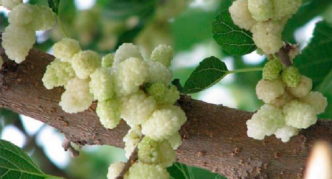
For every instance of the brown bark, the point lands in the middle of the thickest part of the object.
(214, 136)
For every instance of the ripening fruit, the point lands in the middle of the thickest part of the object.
(107, 60)
(175, 140)
(291, 77)
(163, 94)
(137, 108)
(17, 42)
(303, 88)
(269, 90)
(272, 69)
(158, 72)
(109, 113)
(164, 122)
(145, 171)
(101, 84)
(57, 74)
(299, 115)
(23, 14)
(131, 139)
(261, 10)
(285, 133)
(265, 122)
(66, 48)
(282, 100)
(130, 74)
(125, 51)
(10, 4)
(115, 169)
(316, 100)
(240, 14)
(76, 97)
(162, 54)
(285, 8)
(156, 152)
(267, 36)
(85, 62)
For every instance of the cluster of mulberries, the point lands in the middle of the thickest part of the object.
(290, 105)
(265, 19)
(24, 19)
(126, 87)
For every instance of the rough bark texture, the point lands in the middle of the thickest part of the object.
(214, 136)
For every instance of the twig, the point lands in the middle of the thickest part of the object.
(285, 54)
(67, 146)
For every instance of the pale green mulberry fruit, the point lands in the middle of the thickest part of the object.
(131, 139)
(291, 77)
(115, 169)
(240, 14)
(107, 60)
(164, 122)
(145, 171)
(10, 4)
(261, 10)
(137, 108)
(66, 48)
(109, 113)
(265, 122)
(163, 94)
(17, 42)
(162, 54)
(125, 51)
(76, 97)
(157, 72)
(21, 15)
(299, 115)
(285, 133)
(303, 88)
(175, 140)
(267, 36)
(85, 62)
(285, 8)
(269, 90)
(156, 152)
(57, 74)
(316, 100)
(101, 84)
(130, 75)
(45, 19)
(272, 69)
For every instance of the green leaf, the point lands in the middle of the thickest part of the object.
(232, 39)
(54, 5)
(209, 71)
(182, 171)
(316, 59)
(14, 163)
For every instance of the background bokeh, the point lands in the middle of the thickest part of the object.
(103, 25)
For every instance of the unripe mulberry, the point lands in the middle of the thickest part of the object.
(163, 94)
(265, 122)
(65, 49)
(291, 77)
(57, 73)
(109, 113)
(303, 88)
(164, 122)
(316, 100)
(299, 115)
(85, 62)
(285, 8)
(162, 54)
(269, 90)
(45, 19)
(107, 60)
(240, 14)
(23, 14)
(140, 170)
(125, 51)
(175, 140)
(267, 36)
(137, 108)
(131, 139)
(115, 169)
(261, 10)
(157, 72)
(285, 133)
(101, 84)
(272, 69)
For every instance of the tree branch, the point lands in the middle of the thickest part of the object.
(213, 138)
